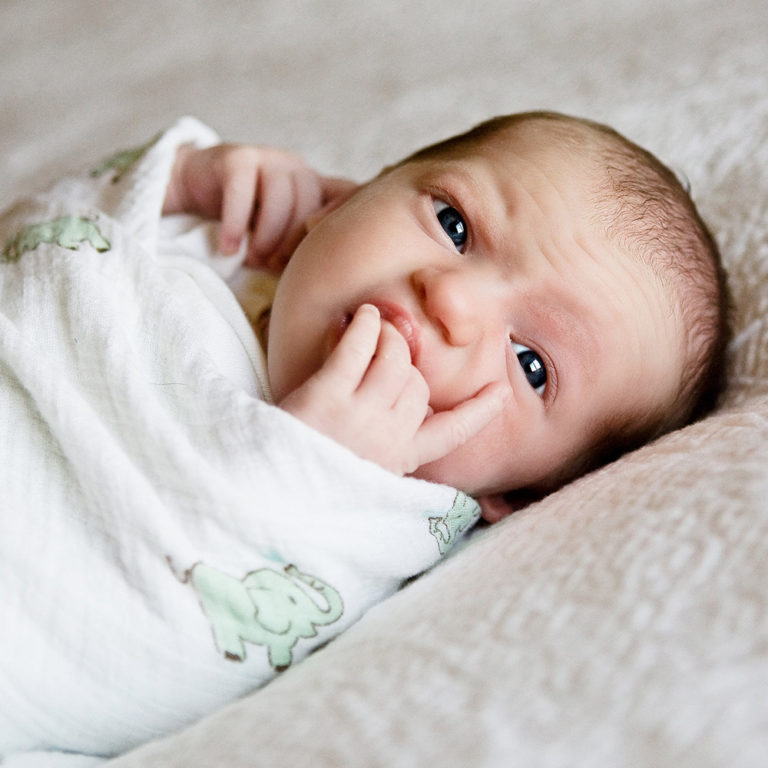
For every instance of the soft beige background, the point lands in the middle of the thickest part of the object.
(623, 621)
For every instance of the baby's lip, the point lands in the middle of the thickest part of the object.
(396, 315)
(403, 322)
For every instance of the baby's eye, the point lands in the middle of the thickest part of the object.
(533, 367)
(453, 223)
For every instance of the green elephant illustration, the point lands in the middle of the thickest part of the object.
(122, 162)
(266, 607)
(66, 231)
(447, 528)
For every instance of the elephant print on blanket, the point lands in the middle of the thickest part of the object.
(121, 162)
(66, 231)
(447, 528)
(265, 607)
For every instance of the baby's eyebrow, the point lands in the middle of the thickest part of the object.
(484, 204)
(566, 334)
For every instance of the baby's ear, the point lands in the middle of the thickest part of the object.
(496, 506)
(336, 191)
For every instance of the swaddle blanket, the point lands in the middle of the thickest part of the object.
(170, 539)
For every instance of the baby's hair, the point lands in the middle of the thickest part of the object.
(647, 212)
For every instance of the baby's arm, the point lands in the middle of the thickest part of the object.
(268, 192)
(370, 398)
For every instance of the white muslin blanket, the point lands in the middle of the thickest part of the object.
(170, 539)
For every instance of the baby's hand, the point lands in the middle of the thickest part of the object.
(370, 398)
(268, 192)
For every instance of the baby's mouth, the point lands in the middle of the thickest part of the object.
(404, 324)
(394, 315)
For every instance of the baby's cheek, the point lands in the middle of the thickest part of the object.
(445, 393)
(511, 452)
(465, 468)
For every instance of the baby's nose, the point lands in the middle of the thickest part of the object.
(451, 300)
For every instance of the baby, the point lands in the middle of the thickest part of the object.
(500, 312)
(496, 314)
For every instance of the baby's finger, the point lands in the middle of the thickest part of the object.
(446, 431)
(334, 187)
(238, 197)
(333, 192)
(412, 405)
(307, 197)
(308, 194)
(388, 372)
(348, 362)
(273, 215)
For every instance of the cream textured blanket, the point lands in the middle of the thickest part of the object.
(622, 622)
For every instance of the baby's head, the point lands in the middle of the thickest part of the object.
(539, 250)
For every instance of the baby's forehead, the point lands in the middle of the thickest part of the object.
(574, 161)
(526, 151)
(568, 163)
(538, 136)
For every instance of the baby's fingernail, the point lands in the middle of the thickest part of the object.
(371, 308)
(229, 244)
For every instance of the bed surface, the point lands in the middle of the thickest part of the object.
(622, 621)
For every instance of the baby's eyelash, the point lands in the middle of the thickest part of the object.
(452, 222)
(533, 366)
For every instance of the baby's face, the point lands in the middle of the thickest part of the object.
(493, 267)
